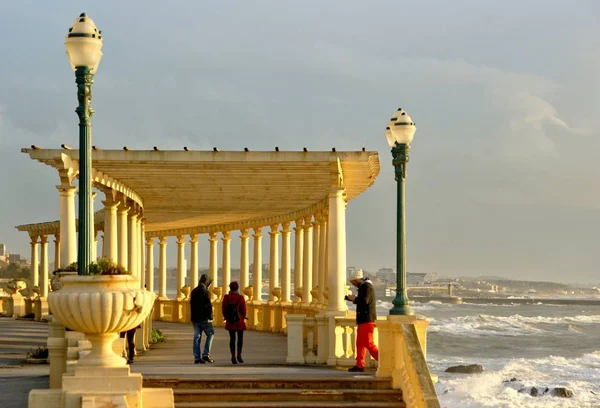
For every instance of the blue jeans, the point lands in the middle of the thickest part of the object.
(206, 328)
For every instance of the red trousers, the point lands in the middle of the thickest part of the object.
(364, 342)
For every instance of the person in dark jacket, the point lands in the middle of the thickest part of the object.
(366, 316)
(234, 313)
(201, 317)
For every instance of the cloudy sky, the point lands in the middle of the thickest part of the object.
(503, 178)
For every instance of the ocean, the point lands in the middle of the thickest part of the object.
(539, 345)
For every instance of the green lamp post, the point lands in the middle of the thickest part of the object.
(84, 49)
(399, 134)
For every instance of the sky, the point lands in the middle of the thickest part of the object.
(503, 176)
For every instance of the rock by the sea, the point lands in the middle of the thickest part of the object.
(561, 392)
(465, 369)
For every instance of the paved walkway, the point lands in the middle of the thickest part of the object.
(264, 356)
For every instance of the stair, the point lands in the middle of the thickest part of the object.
(290, 392)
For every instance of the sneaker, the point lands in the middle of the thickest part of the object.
(129, 361)
(356, 369)
(207, 359)
(239, 359)
(199, 361)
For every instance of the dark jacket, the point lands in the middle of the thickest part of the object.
(200, 304)
(365, 303)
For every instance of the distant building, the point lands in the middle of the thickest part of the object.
(3, 252)
(415, 279)
(14, 258)
(387, 274)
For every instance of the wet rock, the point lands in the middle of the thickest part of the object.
(534, 392)
(562, 392)
(465, 369)
(514, 379)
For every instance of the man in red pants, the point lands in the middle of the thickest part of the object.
(366, 316)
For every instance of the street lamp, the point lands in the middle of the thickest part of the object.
(399, 134)
(84, 49)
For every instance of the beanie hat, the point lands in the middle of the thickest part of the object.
(234, 286)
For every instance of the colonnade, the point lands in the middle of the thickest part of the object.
(318, 263)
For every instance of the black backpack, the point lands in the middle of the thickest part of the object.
(231, 313)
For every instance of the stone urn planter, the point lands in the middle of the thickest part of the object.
(217, 292)
(101, 306)
(37, 291)
(16, 286)
(249, 291)
(298, 294)
(277, 293)
(185, 291)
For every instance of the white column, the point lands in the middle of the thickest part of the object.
(56, 251)
(132, 243)
(94, 242)
(68, 247)
(193, 260)
(273, 260)
(212, 260)
(150, 264)
(180, 265)
(141, 246)
(35, 275)
(226, 264)
(298, 252)
(110, 248)
(44, 266)
(337, 250)
(307, 262)
(315, 251)
(285, 263)
(257, 263)
(323, 285)
(244, 261)
(122, 233)
(162, 267)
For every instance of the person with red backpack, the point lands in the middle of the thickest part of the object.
(234, 313)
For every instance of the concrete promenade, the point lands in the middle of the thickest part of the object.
(264, 356)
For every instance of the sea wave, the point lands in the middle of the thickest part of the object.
(514, 325)
(493, 388)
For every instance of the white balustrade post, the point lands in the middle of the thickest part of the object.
(295, 339)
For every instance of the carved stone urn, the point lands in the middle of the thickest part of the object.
(249, 291)
(277, 293)
(185, 291)
(217, 291)
(16, 286)
(298, 294)
(101, 307)
(315, 295)
(37, 291)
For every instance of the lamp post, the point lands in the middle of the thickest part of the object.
(84, 49)
(399, 134)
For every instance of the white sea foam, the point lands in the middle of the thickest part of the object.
(514, 325)
(580, 375)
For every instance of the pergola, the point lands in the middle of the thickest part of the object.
(158, 194)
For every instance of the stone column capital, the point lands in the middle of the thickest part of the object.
(244, 233)
(66, 189)
(56, 238)
(257, 233)
(193, 238)
(212, 237)
(34, 239)
(162, 241)
(226, 236)
(274, 230)
(180, 239)
(308, 221)
(150, 242)
(286, 228)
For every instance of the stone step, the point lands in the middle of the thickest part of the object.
(296, 395)
(227, 382)
(291, 404)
